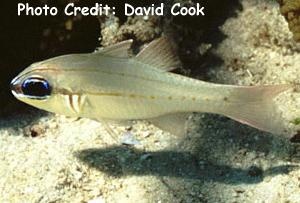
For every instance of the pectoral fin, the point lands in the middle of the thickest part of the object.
(173, 123)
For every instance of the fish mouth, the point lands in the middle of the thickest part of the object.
(15, 87)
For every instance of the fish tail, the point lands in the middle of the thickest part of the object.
(255, 106)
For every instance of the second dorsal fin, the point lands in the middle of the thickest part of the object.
(160, 54)
(116, 50)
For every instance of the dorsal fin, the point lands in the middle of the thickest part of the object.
(160, 54)
(116, 50)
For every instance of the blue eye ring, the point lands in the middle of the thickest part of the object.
(36, 87)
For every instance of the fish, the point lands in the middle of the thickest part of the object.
(111, 84)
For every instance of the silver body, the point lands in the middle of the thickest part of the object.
(125, 89)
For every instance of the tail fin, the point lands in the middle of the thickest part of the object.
(255, 106)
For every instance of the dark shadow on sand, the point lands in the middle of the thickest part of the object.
(123, 161)
(201, 163)
(21, 119)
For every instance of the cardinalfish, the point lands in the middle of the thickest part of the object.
(112, 85)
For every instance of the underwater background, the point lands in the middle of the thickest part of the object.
(52, 158)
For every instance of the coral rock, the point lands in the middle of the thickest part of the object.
(291, 10)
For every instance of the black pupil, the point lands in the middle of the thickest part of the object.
(36, 87)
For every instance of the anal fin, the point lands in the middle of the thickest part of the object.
(173, 123)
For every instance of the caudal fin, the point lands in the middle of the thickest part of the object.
(255, 106)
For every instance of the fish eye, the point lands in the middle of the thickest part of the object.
(35, 87)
